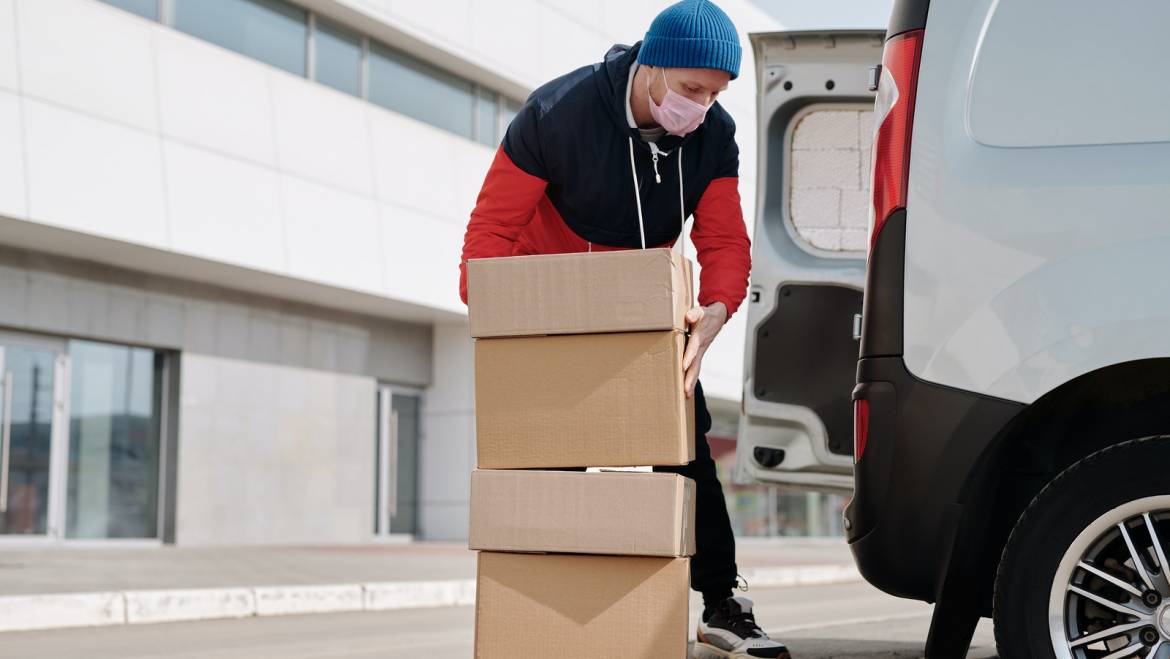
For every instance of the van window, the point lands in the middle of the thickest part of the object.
(1060, 73)
(828, 194)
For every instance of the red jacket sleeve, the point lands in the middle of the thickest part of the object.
(505, 206)
(721, 241)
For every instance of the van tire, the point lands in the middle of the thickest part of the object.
(1077, 497)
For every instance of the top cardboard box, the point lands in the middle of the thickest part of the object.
(585, 293)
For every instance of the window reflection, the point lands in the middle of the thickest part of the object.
(144, 8)
(417, 89)
(487, 110)
(508, 112)
(338, 55)
(30, 375)
(114, 428)
(270, 31)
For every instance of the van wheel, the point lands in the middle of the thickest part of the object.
(1085, 574)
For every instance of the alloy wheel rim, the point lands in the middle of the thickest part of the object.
(1110, 597)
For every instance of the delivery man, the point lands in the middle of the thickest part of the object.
(617, 155)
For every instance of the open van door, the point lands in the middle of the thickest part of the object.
(815, 112)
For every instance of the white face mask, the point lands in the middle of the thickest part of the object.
(678, 114)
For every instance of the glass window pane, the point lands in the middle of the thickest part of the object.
(417, 89)
(508, 112)
(487, 110)
(114, 426)
(270, 31)
(396, 464)
(144, 8)
(405, 515)
(338, 56)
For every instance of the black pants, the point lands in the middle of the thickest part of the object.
(713, 570)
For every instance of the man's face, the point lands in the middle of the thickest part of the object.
(702, 86)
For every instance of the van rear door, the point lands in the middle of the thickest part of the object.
(810, 241)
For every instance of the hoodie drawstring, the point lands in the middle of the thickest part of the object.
(682, 213)
(682, 209)
(637, 195)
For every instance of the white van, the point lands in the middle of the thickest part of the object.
(998, 400)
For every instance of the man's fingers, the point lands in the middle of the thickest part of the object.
(692, 374)
(695, 314)
(689, 353)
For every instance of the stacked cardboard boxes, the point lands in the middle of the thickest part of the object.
(578, 363)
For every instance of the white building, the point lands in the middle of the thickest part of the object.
(229, 239)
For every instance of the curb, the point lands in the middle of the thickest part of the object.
(138, 607)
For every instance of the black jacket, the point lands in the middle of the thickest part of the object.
(573, 133)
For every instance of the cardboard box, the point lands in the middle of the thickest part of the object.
(537, 606)
(623, 291)
(585, 400)
(583, 513)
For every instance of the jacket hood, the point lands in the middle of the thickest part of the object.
(612, 75)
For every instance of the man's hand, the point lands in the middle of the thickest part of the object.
(704, 323)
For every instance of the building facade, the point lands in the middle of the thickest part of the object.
(229, 245)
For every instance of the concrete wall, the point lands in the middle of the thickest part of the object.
(276, 401)
(72, 298)
(273, 454)
(447, 453)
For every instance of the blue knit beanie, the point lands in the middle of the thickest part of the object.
(692, 34)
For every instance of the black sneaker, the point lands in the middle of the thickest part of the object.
(731, 632)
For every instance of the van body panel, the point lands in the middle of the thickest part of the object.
(1029, 266)
(917, 490)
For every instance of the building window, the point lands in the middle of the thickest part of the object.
(144, 8)
(28, 375)
(396, 460)
(508, 111)
(487, 117)
(291, 38)
(337, 58)
(416, 89)
(115, 422)
(105, 401)
(273, 32)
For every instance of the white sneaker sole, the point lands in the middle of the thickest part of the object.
(705, 651)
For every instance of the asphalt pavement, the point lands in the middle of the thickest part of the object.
(840, 621)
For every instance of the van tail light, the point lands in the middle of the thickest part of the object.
(860, 427)
(893, 120)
